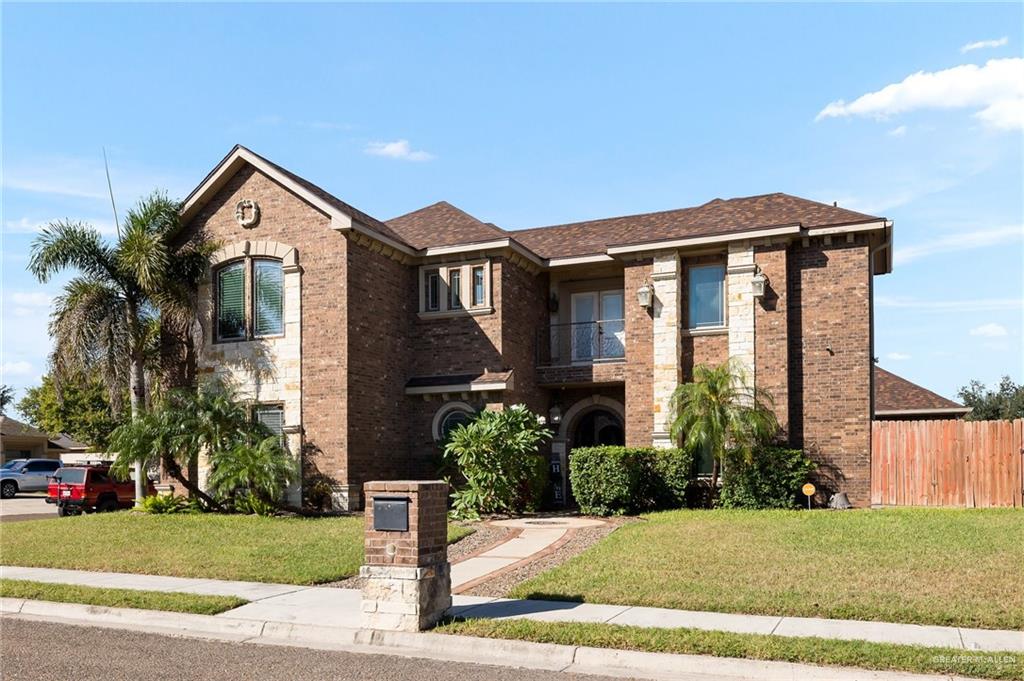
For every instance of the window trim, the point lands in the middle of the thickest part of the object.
(221, 267)
(284, 308)
(444, 411)
(707, 329)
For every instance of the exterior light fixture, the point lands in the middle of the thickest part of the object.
(758, 283)
(555, 414)
(645, 296)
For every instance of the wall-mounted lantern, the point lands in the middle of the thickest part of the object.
(555, 414)
(758, 283)
(645, 296)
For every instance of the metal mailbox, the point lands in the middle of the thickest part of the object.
(391, 514)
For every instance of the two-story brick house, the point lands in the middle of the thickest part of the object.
(364, 341)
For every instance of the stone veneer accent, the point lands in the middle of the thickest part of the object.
(264, 370)
(407, 576)
(665, 279)
(740, 307)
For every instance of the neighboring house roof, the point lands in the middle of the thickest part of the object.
(68, 443)
(11, 428)
(896, 396)
(442, 224)
(713, 218)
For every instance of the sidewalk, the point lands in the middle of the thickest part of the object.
(325, 606)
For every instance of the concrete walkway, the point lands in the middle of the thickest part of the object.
(325, 606)
(532, 537)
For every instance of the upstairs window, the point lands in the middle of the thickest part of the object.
(231, 302)
(268, 298)
(707, 296)
(455, 289)
(432, 291)
(249, 299)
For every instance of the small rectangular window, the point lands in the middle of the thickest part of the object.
(455, 289)
(231, 302)
(707, 296)
(705, 461)
(432, 291)
(268, 298)
(271, 417)
(478, 286)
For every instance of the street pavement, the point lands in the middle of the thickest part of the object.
(43, 651)
(31, 506)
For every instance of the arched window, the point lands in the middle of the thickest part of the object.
(249, 299)
(449, 417)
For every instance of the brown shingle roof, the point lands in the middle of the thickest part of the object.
(11, 428)
(711, 219)
(442, 224)
(895, 393)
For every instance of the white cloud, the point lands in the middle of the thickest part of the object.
(16, 369)
(900, 131)
(975, 305)
(31, 298)
(984, 44)
(958, 242)
(399, 149)
(990, 330)
(897, 356)
(995, 89)
(27, 226)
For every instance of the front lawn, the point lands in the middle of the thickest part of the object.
(118, 598)
(819, 651)
(926, 566)
(240, 547)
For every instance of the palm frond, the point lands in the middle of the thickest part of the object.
(65, 244)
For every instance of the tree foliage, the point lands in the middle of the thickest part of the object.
(81, 408)
(208, 420)
(6, 397)
(497, 456)
(1006, 401)
(720, 411)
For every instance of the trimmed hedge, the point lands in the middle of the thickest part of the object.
(616, 480)
(771, 479)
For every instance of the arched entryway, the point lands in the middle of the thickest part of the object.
(591, 423)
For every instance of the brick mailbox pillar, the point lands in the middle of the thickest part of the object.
(408, 584)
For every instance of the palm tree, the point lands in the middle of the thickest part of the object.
(104, 320)
(721, 411)
(6, 397)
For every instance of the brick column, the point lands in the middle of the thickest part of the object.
(408, 577)
(639, 357)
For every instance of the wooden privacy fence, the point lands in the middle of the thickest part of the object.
(975, 464)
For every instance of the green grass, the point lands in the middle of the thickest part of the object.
(927, 566)
(118, 598)
(240, 547)
(878, 656)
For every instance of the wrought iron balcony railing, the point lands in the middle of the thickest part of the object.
(581, 342)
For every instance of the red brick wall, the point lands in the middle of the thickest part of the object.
(830, 361)
(524, 313)
(771, 330)
(322, 255)
(380, 322)
(639, 359)
(426, 542)
(695, 350)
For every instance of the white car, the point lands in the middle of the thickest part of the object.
(26, 475)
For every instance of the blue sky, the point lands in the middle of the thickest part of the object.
(527, 115)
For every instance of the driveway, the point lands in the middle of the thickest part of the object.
(30, 506)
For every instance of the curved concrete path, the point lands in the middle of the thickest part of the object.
(531, 538)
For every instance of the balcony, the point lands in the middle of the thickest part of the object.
(583, 353)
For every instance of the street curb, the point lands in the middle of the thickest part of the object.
(456, 648)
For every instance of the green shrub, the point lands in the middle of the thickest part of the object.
(251, 504)
(615, 480)
(771, 478)
(496, 456)
(165, 503)
(260, 470)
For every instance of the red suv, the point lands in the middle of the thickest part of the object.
(90, 487)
